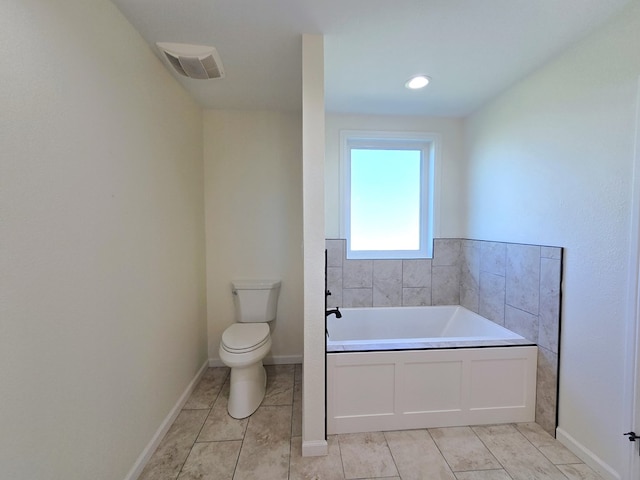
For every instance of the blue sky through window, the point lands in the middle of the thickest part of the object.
(385, 199)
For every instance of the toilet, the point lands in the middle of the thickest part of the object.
(245, 343)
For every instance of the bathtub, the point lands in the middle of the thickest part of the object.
(449, 326)
(422, 367)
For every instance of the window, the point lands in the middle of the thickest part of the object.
(388, 194)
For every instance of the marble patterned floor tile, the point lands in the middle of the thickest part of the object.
(483, 475)
(207, 389)
(416, 456)
(328, 467)
(366, 455)
(297, 376)
(261, 447)
(550, 447)
(518, 456)
(463, 450)
(267, 443)
(174, 448)
(221, 426)
(296, 420)
(211, 461)
(579, 471)
(279, 385)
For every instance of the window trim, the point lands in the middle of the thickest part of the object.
(429, 143)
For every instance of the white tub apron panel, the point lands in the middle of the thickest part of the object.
(391, 390)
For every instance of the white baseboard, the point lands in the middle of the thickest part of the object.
(315, 448)
(144, 457)
(587, 456)
(269, 360)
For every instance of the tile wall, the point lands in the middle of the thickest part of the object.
(515, 285)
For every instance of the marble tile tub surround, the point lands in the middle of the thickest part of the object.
(515, 285)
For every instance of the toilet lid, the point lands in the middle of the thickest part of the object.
(243, 337)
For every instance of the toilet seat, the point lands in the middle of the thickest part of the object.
(242, 338)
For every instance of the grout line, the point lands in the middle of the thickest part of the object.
(205, 418)
(291, 433)
(489, 450)
(441, 453)
(293, 399)
(515, 425)
(395, 464)
(344, 475)
(235, 467)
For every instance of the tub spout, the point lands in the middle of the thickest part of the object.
(335, 311)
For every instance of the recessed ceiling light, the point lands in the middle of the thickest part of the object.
(418, 81)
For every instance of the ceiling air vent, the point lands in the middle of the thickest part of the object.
(193, 61)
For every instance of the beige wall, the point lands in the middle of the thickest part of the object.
(551, 162)
(450, 215)
(253, 198)
(102, 300)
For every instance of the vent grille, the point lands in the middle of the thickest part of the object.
(210, 65)
(193, 61)
(175, 63)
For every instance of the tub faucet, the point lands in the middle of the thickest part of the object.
(335, 311)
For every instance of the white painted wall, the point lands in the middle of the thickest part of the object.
(102, 299)
(253, 197)
(550, 162)
(313, 125)
(450, 218)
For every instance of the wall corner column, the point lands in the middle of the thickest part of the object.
(314, 441)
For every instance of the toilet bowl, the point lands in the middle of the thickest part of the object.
(245, 343)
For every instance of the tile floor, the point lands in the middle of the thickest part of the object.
(204, 443)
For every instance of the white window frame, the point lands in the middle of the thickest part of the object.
(429, 144)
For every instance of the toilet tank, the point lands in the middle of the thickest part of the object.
(255, 300)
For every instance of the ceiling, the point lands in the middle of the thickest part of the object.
(472, 49)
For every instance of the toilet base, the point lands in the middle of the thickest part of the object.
(247, 389)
